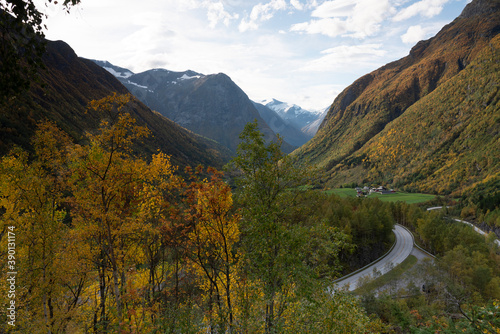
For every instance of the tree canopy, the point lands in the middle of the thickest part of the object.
(22, 43)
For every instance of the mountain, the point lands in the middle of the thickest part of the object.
(65, 88)
(427, 122)
(295, 115)
(312, 128)
(212, 106)
(289, 132)
(118, 72)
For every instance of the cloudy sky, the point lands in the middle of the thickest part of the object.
(298, 51)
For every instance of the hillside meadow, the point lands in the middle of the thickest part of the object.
(410, 198)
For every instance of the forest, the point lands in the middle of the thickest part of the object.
(462, 282)
(97, 237)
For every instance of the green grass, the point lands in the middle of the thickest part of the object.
(409, 198)
(343, 192)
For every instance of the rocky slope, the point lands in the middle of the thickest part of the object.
(380, 128)
(312, 128)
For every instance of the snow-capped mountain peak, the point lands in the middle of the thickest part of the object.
(286, 110)
(293, 113)
(124, 74)
(117, 71)
(188, 77)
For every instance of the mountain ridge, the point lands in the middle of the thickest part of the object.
(296, 115)
(67, 85)
(210, 105)
(365, 108)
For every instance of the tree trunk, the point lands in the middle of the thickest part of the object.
(270, 316)
(102, 290)
(116, 290)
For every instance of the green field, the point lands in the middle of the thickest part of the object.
(395, 197)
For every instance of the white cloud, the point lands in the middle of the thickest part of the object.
(217, 13)
(361, 51)
(343, 58)
(246, 25)
(311, 4)
(297, 4)
(354, 18)
(261, 12)
(418, 32)
(336, 8)
(413, 34)
(368, 16)
(426, 8)
(331, 27)
(148, 38)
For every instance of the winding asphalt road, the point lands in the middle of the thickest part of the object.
(400, 251)
(477, 229)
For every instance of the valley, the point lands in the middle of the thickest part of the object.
(171, 202)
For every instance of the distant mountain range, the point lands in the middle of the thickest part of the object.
(307, 122)
(289, 132)
(428, 122)
(214, 106)
(296, 115)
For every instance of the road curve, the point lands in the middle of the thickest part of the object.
(477, 229)
(400, 251)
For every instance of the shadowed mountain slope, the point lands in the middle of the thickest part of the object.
(67, 85)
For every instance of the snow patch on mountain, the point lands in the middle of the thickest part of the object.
(187, 77)
(136, 84)
(117, 74)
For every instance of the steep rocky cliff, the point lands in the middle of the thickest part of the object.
(364, 110)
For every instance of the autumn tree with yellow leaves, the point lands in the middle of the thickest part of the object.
(213, 236)
(32, 197)
(106, 186)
